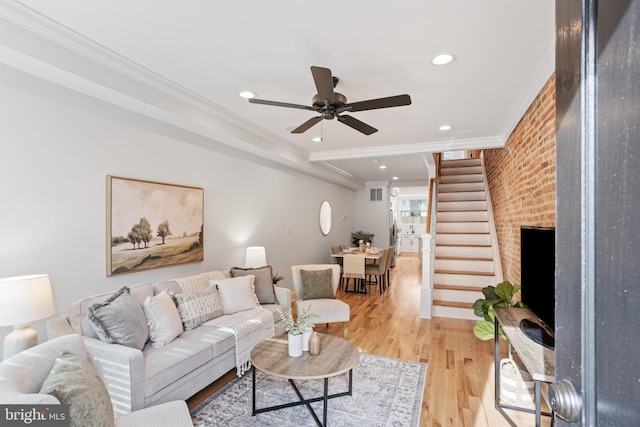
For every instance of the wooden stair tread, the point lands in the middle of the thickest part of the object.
(453, 304)
(458, 288)
(463, 258)
(468, 273)
(462, 245)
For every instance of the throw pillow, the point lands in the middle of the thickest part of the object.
(120, 320)
(237, 294)
(197, 307)
(163, 319)
(74, 381)
(263, 282)
(316, 284)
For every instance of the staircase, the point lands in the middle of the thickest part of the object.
(464, 256)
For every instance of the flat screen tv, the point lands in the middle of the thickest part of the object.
(538, 281)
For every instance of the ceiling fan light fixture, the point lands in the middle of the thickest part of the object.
(443, 59)
(246, 94)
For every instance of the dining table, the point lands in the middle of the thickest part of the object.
(353, 266)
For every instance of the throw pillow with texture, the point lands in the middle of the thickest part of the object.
(120, 320)
(262, 282)
(74, 381)
(197, 307)
(316, 284)
(237, 294)
(163, 319)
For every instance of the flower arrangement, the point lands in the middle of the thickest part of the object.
(296, 327)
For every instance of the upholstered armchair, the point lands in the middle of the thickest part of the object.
(23, 375)
(315, 286)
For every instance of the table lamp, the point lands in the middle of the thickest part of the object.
(255, 257)
(24, 299)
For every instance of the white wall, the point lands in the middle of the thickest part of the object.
(374, 216)
(56, 149)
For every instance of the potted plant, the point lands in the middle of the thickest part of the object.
(275, 278)
(296, 328)
(500, 295)
(365, 236)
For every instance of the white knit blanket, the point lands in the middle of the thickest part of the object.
(249, 327)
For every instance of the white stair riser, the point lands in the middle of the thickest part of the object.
(460, 163)
(457, 296)
(463, 239)
(461, 206)
(463, 280)
(463, 252)
(462, 216)
(462, 196)
(454, 312)
(464, 265)
(458, 179)
(471, 186)
(463, 227)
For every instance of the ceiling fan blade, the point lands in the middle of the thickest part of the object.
(374, 104)
(357, 124)
(280, 104)
(324, 83)
(306, 125)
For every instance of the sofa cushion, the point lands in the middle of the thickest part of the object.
(316, 284)
(166, 365)
(120, 320)
(237, 294)
(163, 319)
(196, 307)
(263, 282)
(200, 281)
(79, 310)
(75, 382)
(219, 339)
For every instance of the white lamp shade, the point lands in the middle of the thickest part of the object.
(256, 256)
(25, 298)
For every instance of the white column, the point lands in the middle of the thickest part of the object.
(426, 290)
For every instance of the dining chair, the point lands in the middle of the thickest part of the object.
(354, 268)
(338, 260)
(388, 268)
(379, 270)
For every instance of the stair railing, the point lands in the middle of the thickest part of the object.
(432, 182)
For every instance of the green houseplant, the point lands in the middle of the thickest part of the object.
(500, 295)
(276, 277)
(365, 236)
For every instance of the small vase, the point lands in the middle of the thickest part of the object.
(306, 335)
(314, 344)
(295, 345)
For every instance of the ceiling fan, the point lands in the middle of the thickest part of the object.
(331, 104)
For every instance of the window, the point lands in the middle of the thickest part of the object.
(413, 211)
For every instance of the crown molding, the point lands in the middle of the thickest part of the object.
(394, 150)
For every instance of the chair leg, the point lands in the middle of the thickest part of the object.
(345, 330)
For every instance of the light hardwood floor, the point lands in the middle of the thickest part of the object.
(459, 388)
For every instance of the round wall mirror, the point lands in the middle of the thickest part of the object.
(325, 218)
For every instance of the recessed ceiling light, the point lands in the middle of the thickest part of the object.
(316, 139)
(395, 177)
(443, 59)
(445, 127)
(247, 94)
(382, 167)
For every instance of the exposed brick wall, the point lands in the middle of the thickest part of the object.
(521, 177)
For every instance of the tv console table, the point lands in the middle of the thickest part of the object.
(538, 359)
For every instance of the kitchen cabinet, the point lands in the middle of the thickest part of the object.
(410, 243)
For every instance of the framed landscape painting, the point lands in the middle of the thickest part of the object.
(152, 225)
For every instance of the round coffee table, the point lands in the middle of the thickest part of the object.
(336, 357)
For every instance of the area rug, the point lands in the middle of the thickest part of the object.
(386, 392)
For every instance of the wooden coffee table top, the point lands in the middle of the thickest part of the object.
(336, 356)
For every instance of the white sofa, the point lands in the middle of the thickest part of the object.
(138, 379)
(22, 375)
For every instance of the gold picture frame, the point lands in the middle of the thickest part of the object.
(152, 225)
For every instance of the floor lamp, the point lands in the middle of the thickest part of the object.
(24, 299)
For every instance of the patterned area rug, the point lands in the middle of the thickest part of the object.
(386, 392)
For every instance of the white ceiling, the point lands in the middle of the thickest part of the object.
(504, 54)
